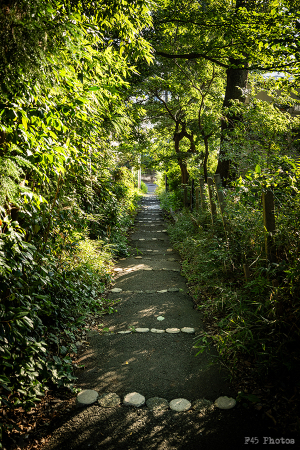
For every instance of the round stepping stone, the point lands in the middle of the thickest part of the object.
(109, 400)
(173, 330)
(157, 403)
(124, 332)
(180, 404)
(141, 239)
(142, 330)
(160, 318)
(87, 397)
(225, 402)
(188, 330)
(155, 330)
(138, 257)
(173, 289)
(163, 231)
(154, 239)
(116, 290)
(134, 399)
(163, 291)
(201, 404)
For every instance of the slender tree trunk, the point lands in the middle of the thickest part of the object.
(205, 157)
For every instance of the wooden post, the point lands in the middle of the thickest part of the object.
(210, 183)
(197, 197)
(246, 271)
(269, 224)
(221, 198)
(202, 196)
(166, 183)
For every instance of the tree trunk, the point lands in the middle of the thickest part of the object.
(236, 81)
(205, 158)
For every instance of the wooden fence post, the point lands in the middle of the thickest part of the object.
(246, 271)
(269, 224)
(202, 197)
(210, 183)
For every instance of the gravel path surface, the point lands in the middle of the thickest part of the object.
(152, 364)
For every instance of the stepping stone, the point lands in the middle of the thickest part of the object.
(109, 400)
(124, 332)
(160, 318)
(154, 239)
(225, 402)
(147, 268)
(141, 239)
(173, 290)
(142, 330)
(149, 250)
(180, 404)
(157, 403)
(138, 257)
(134, 399)
(138, 292)
(116, 290)
(87, 397)
(155, 330)
(163, 291)
(164, 231)
(173, 330)
(169, 249)
(188, 330)
(201, 404)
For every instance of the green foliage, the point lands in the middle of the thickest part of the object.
(255, 319)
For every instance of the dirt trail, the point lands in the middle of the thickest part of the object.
(152, 364)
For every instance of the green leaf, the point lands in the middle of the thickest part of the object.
(258, 169)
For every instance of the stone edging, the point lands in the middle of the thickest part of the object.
(147, 291)
(111, 399)
(187, 330)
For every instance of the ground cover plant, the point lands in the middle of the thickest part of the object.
(253, 322)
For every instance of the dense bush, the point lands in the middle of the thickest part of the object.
(258, 318)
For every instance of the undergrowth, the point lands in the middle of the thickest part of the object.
(257, 319)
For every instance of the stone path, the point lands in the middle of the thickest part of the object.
(147, 359)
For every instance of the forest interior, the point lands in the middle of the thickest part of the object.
(203, 96)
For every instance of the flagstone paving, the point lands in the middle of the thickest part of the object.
(148, 388)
